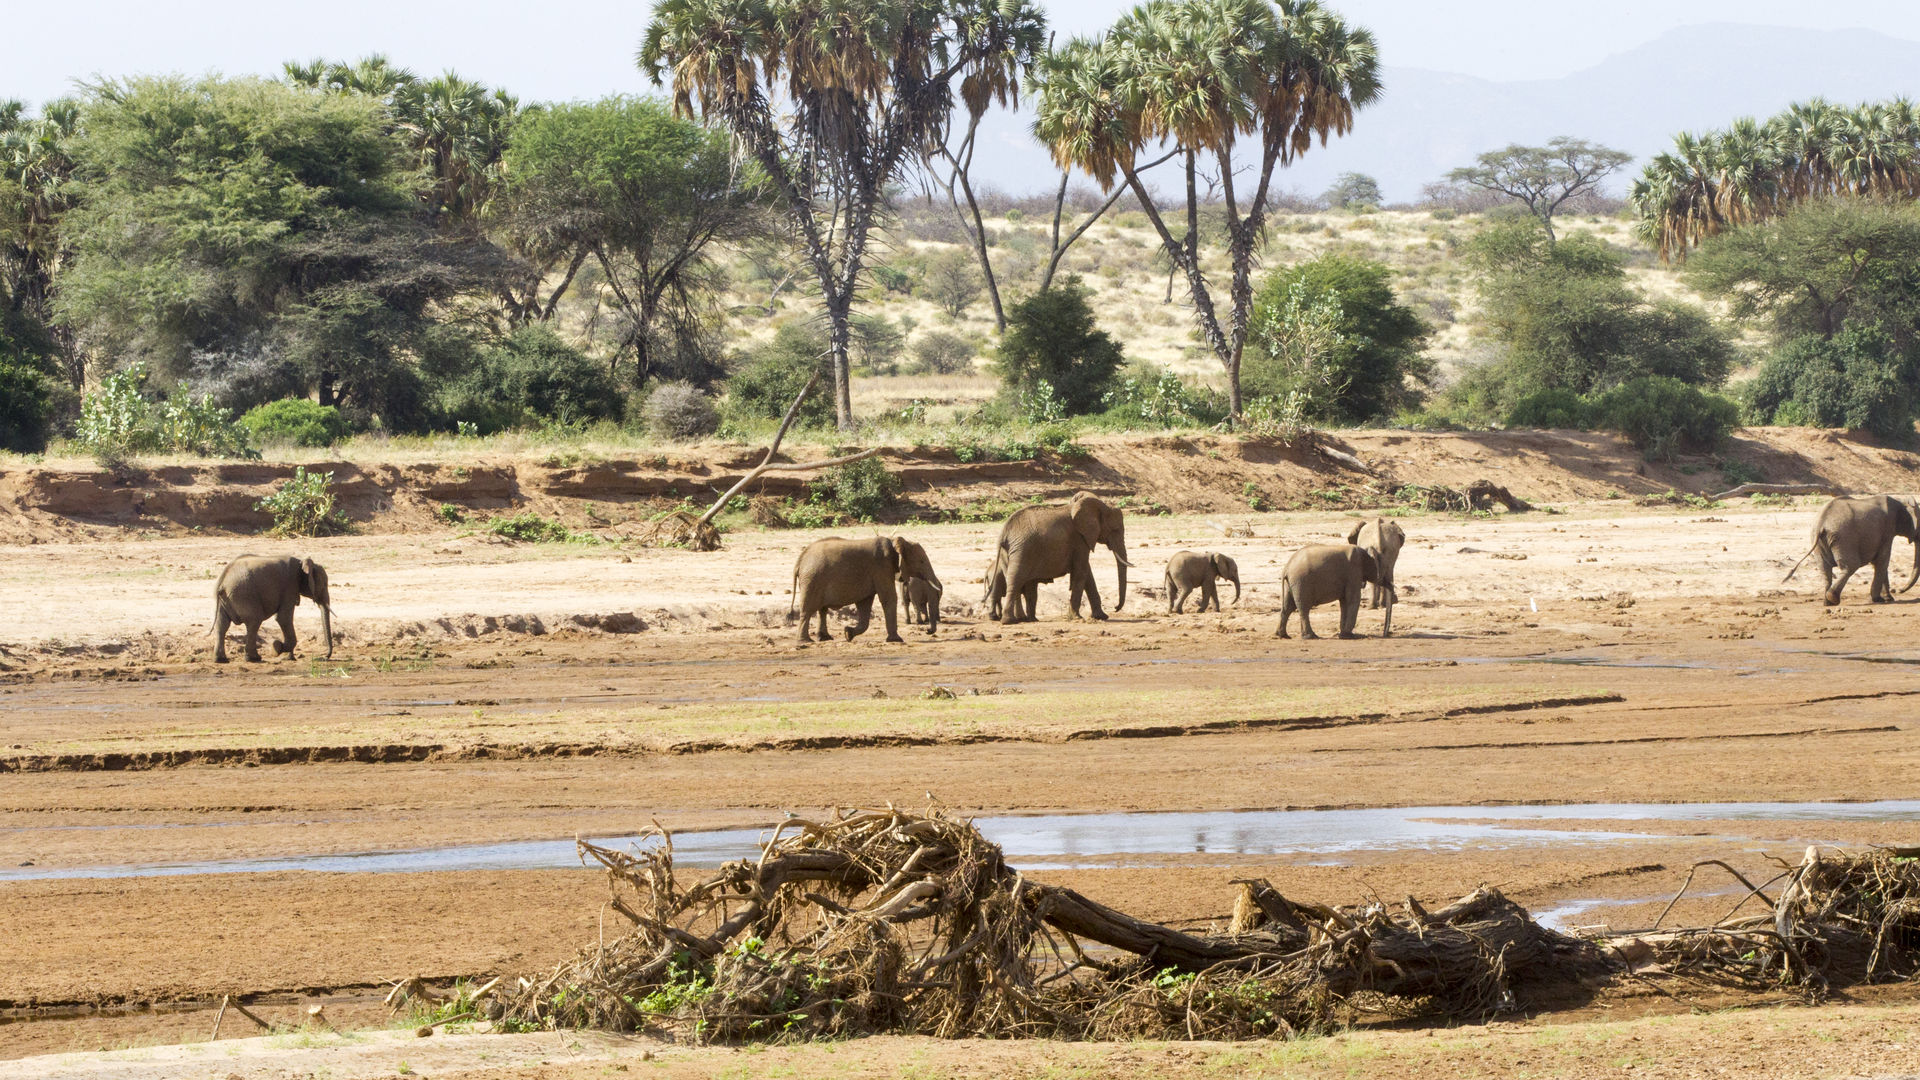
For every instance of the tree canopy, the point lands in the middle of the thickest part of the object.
(1544, 178)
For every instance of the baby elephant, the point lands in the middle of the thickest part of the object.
(833, 573)
(1190, 570)
(923, 603)
(1323, 573)
(254, 588)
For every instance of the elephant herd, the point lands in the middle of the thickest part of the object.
(1040, 544)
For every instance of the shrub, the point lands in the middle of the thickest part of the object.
(27, 406)
(304, 506)
(530, 528)
(1661, 415)
(1857, 379)
(876, 344)
(117, 422)
(678, 410)
(1149, 396)
(894, 280)
(1373, 363)
(1051, 338)
(861, 490)
(1549, 409)
(953, 281)
(941, 352)
(529, 378)
(295, 422)
(765, 381)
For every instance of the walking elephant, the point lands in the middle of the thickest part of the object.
(1859, 531)
(923, 603)
(1385, 539)
(254, 588)
(1323, 573)
(1190, 570)
(834, 573)
(1040, 543)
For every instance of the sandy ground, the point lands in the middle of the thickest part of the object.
(1613, 655)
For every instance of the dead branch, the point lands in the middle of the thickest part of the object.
(1777, 489)
(767, 465)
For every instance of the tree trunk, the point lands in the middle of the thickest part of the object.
(839, 338)
(328, 394)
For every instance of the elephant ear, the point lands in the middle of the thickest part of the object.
(1369, 565)
(1220, 564)
(1353, 534)
(1089, 517)
(890, 551)
(306, 577)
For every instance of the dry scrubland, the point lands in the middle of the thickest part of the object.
(1594, 651)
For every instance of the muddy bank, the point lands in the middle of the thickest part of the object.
(1181, 474)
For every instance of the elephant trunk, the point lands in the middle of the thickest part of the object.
(326, 627)
(1235, 578)
(1120, 566)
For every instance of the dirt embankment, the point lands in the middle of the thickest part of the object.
(1184, 474)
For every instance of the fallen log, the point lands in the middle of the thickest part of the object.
(1778, 489)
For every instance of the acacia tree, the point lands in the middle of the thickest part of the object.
(1545, 178)
(36, 190)
(833, 99)
(643, 193)
(1235, 87)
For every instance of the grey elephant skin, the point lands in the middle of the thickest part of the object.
(1041, 543)
(1188, 571)
(1322, 574)
(254, 588)
(1859, 531)
(923, 603)
(834, 573)
(1385, 539)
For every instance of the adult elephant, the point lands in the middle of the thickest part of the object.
(255, 587)
(1040, 543)
(1385, 539)
(1859, 531)
(834, 573)
(1323, 574)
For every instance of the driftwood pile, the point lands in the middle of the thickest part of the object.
(1837, 920)
(890, 921)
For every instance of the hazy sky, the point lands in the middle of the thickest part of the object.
(584, 48)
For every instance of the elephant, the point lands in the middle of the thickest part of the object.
(1321, 573)
(255, 587)
(923, 603)
(996, 580)
(833, 573)
(1858, 531)
(1040, 543)
(1385, 539)
(1190, 570)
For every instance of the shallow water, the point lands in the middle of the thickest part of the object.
(1056, 841)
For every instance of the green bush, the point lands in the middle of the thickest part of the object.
(117, 421)
(861, 490)
(1858, 379)
(941, 352)
(296, 422)
(1373, 363)
(530, 378)
(304, 506)
(1051, 340)
(530, 528)
(766, 379)
(1549, 409)
(28, 399)
(1662, 416)
(1150, 396)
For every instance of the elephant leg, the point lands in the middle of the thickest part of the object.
(1838, 580)
(1286, 608)
(864, 615)
(220, 624)
(1177, 600)
(287, 639)
(888, 606)
(823, 635)
(1350, 610)
(253, 641)
(1306, 627)
(1084, 567)
(806, 624)
(1882, 592)
(1210, 594)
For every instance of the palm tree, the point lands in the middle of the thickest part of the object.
(36, 190)
(458, 131)
(833, 100)
(1754, 171)
(1234, 86)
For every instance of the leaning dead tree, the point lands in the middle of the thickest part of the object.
(684, 529)
(890, 921)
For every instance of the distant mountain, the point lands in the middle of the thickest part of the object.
(1428, 122)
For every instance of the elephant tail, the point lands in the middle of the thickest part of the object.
(793, 597)
(1819, 541)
